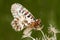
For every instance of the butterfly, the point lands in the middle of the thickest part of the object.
(23, 18)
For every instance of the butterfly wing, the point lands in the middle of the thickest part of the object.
(21, 13)
(18, 17)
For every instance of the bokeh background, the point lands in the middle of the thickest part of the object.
(47, 10)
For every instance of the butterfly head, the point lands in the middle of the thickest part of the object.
(38, 21)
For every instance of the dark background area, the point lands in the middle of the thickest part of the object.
(47, 10)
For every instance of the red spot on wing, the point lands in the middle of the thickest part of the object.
(26, 13)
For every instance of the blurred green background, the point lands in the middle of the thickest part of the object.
(47, 10)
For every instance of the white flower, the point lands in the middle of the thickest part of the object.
(53, 29)
(27, 32)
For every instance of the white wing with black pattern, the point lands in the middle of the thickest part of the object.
(20, 15)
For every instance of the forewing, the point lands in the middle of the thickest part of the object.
(17, 9)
